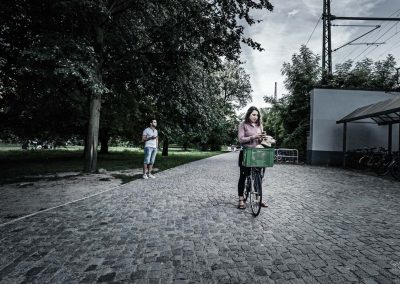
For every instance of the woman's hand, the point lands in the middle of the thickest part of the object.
(256, 136)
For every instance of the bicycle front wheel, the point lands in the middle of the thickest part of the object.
(255, 192)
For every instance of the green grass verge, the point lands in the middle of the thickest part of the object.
(23, 166)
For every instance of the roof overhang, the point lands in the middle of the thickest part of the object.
(384, 112)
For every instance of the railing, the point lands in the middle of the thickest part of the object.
(283, 155)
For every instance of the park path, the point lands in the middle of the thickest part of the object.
(324, 225)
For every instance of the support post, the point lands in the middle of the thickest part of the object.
(390, 139)
(344, 143)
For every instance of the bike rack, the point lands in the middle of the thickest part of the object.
(284, 155)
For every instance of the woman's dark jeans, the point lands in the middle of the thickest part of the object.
(244, 172)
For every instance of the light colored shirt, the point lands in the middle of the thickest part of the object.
(147, 133)
(245, 132)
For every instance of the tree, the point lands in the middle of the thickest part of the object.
(273, 118)
(235, 85)
(365, 74)
(82, 45)
(301, 76)
(209, 32)
(289, 117)
(37, 101)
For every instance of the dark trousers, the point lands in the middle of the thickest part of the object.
(244, 172)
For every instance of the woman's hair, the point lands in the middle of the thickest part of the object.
(248, 113)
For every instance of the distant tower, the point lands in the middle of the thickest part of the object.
(276, 92)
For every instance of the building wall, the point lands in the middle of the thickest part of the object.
(325, 142)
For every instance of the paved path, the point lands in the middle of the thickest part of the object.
(21, 199)
(323, 226)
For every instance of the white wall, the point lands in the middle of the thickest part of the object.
(330, 105)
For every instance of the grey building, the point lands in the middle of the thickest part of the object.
(325, 139)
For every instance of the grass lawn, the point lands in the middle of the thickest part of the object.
(16, 165)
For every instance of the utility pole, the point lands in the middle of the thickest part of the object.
(326, 41)
(327, 38)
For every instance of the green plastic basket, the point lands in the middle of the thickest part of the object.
(258, 157)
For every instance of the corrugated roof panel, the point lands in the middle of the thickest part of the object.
(391, 106)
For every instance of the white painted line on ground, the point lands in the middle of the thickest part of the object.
(58, 206)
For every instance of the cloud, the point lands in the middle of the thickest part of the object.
(293, 12)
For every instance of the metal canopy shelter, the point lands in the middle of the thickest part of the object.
(382, 113)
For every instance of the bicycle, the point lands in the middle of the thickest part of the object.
(389, 164)
(253, 189)
(257, 159)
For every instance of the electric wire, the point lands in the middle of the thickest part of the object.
(356, 47)
(313, 31)
(391, 47)
(372, 50)
(375, 42)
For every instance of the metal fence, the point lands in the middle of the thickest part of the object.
(283, 155)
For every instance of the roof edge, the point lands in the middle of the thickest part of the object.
(357, 89)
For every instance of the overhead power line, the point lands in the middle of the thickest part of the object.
(375, 41)
(376, 27)
(313, 31)
(369, 38)
(327, 18)
(391, 47)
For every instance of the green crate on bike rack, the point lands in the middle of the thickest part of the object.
(258, 157)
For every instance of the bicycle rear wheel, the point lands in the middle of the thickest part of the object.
(382, 168)
(255, 192)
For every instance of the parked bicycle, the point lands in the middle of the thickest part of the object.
(378, 160)
(389, 163)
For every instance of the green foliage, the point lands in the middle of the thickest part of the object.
(302, 74)
(273, 120)
(144, 58)
(366, 74)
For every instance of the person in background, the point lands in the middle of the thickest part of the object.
(150, 139)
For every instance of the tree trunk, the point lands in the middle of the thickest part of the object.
(85, 131)
(93, 135)
(95, 104)
(165, 147)
(185, 146)
(84, 145)
(104, 138)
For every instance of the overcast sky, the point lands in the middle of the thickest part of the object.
(290, 25)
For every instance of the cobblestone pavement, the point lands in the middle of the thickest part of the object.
(323, 225)
(20, 199)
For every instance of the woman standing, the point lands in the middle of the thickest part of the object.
(250, 134)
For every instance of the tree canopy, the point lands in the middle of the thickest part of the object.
(64, 62)
(366, 74)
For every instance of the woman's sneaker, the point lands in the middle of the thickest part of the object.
(151, 176)
(145, 176)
